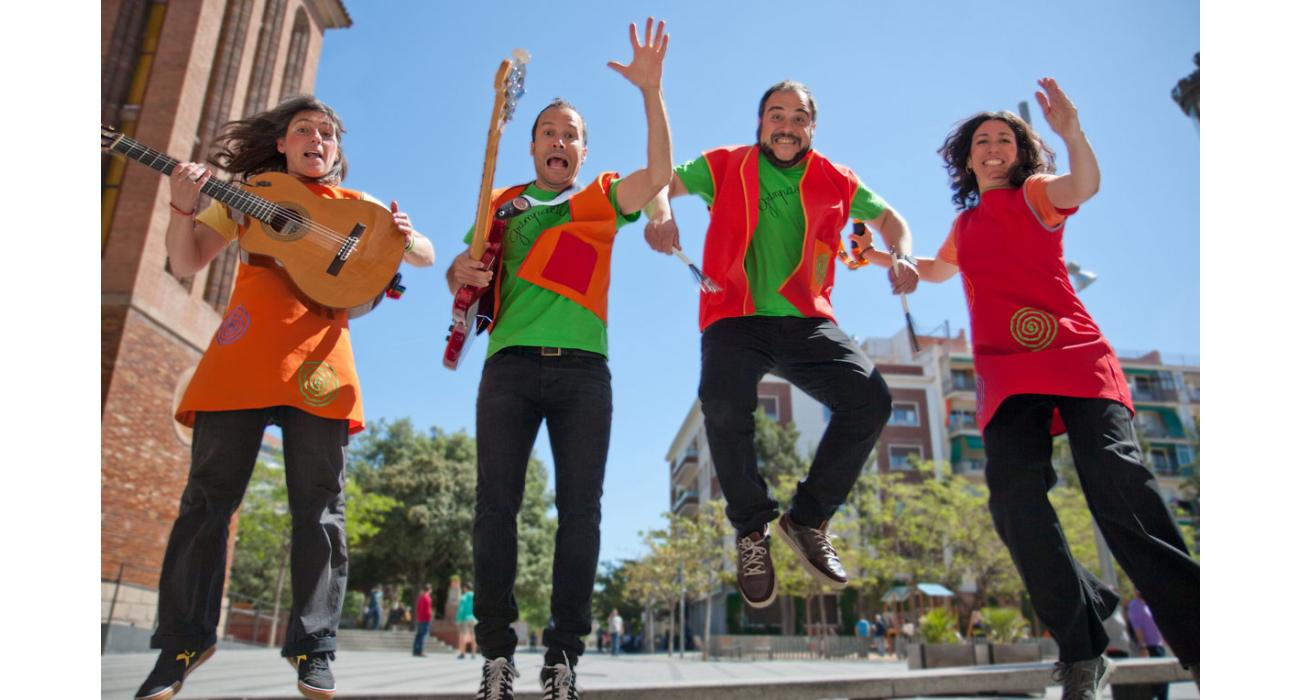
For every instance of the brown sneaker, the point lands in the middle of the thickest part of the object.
(755, 576)
(813, 545)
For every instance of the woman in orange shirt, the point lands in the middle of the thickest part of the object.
(272, 360)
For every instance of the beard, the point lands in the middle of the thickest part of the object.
(774, 160)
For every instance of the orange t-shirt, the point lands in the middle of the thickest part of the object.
(270, 350)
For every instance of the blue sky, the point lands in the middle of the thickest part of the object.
(412, 81)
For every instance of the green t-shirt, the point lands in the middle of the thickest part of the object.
(777, 245)
(534, 316)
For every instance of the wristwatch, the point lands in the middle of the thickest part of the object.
(909, 259)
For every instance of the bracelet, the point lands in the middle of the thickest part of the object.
(410, 243)
(180, 211)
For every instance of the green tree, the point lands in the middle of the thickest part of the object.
(426, 537)
(612, 592)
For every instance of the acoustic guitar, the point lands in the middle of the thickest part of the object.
(472, 309)
(340, 256)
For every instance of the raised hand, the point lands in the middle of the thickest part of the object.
(402, 222)
(647, 67)
(1058, 110)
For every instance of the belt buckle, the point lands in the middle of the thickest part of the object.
(552, 352)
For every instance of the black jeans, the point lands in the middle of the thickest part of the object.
(816, 356)
(519, 389)
(223, 453)
(1125, 502)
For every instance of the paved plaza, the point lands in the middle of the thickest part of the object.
(261, 673)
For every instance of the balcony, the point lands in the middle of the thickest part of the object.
(690, 458)
(962, 425)
(958, 382)
(1154, 394)
(686, 502)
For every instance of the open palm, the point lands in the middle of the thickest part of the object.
(647, 67)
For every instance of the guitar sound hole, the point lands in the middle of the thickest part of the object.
(286, 222)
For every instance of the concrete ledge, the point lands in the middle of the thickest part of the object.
(950, 681)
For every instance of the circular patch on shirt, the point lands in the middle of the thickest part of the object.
(1033, 328)
(234, 326)
(317, 383)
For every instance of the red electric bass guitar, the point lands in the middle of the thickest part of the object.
(471, 312)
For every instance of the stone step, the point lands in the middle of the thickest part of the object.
(390, 640)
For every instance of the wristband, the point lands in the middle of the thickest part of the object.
(410, 243)
(180, 211)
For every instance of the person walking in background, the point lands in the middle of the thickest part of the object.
(1149, 641)
(977, 630)
(423, 619)
(374, 608)
(878, 635)
(776, 212)
(615, 623)
(465, 621)
(907, 632)
(862, 630)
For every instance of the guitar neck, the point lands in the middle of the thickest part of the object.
(482, 214)
(224, 192)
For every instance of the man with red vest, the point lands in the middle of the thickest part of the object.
(777, 209)
(547, 361)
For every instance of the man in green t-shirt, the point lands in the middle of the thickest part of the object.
(777, 210)
(547, 361)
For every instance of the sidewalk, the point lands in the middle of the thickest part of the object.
(261, 673)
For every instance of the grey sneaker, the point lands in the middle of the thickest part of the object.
(498, 683)
(559, 682)
(315, 679)
(1083, 680)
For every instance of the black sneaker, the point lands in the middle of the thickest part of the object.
(498, 683)
(755, 576)
(559, 682)
(170, 671)
(315, 680)
(814, 550)
(1083, 680)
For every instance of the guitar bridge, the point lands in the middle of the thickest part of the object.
(345, 252)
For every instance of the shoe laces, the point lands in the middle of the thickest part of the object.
(1078, 679)
(563, 684)
(753, 556)
(498, 679)
(823, 538)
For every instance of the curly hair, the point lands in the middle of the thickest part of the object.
(247, 146)
(1032, 156)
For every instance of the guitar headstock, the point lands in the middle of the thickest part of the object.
(108, 136)
(511, 84)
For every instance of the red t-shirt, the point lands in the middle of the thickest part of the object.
(424, 608)
(1030, 332)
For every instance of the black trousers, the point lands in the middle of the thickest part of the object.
(519, 389)
(223, 453)
(816, 356)
(1125, 503)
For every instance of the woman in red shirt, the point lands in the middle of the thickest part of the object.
(1043, 368)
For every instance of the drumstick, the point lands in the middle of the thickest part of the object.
(707, 285)
(907, 314)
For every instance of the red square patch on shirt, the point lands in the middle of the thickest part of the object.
(572, 263)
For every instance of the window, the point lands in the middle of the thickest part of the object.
(1185, 455)
(963, 380)
(1161, 462)
(904, 457)
(1166, 380)
(905, 413)
(769, 405)
(960, 418)
(1151, 424)
(1144, 388)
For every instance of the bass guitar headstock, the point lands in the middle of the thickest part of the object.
(510, 82)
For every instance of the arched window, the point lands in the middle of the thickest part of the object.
(268, 45)
(299, 38)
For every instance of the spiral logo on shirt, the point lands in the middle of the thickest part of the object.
(1033, 328)
(317, 383)
(234, 326)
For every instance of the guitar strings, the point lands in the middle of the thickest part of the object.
(272, 209)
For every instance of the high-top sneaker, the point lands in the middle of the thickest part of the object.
(498, 683)
(559, 682)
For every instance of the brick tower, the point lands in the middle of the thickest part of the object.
(172, 74)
